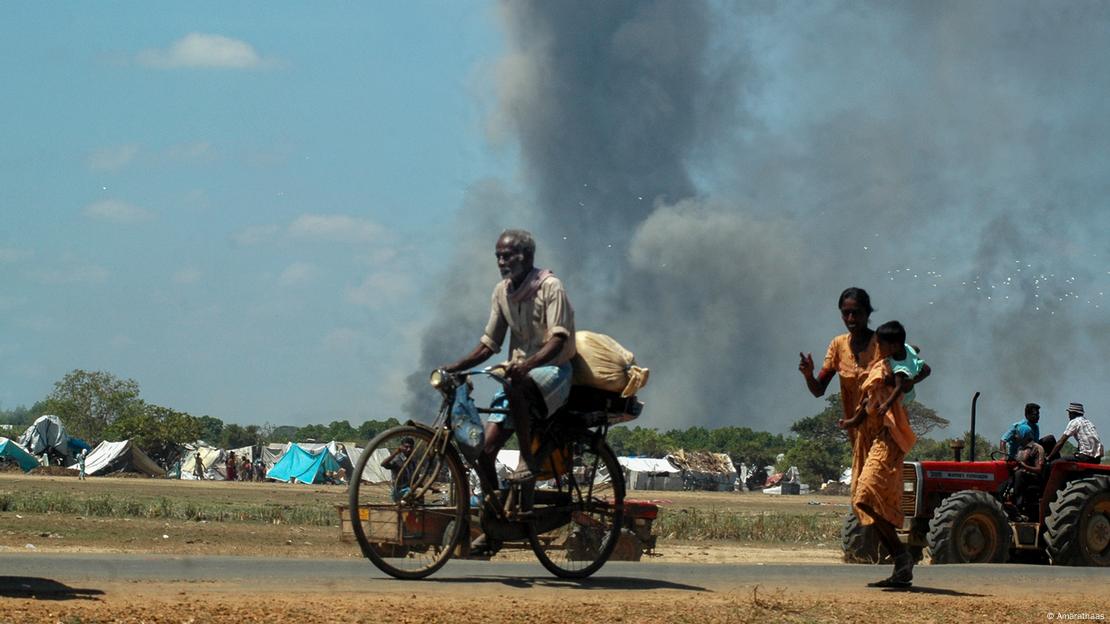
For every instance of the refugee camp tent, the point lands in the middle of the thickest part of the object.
(47, 436)
(303, 466)
(243, 451)
(214, 461)
(506, 462)
(113, 457)
(373, 472)
(703, 470)
(647, 473)
(12, 452)
(270, 454)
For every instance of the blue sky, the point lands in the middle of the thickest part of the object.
(227, 202)
(253, 209)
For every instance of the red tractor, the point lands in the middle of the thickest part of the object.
(960, 511)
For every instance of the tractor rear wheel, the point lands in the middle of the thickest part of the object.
(1077, 530)
(969, 527)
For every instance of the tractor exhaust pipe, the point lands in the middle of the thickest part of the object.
(971, 450)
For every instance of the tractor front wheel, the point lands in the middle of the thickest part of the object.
(1077, 530)
(861, 543)
(969, 527)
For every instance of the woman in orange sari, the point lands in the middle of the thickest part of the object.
(849, 355)
(877, 495)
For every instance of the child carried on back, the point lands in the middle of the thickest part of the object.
(899, 368)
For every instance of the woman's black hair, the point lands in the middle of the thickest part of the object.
(859, 295)
(891, 332)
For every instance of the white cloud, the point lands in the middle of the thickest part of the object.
(336, 228)
(379, 289)
(255, 234)
(187, 275)
(117, 211)
(297, 273)
(112, 158)
(206, 51)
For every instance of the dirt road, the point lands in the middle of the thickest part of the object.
(87, 588)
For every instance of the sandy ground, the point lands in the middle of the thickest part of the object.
(194, 603)
(453, 601)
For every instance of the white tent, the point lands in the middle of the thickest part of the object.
(212, 459)
(47, 435)
(271, 453)
(111, 457)
(373, 472)
(648, 473)
(507, 460)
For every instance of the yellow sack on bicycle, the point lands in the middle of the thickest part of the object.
(603, 363)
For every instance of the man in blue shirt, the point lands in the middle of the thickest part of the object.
(1011, 442)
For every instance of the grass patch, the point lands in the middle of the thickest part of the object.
(694, 524)
(109, 506)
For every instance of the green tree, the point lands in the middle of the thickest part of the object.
(367, 430)
(21, 416)
(821, 449)
(649, 442)
(283, 433)
(157, 430)
(930, 449)
(236, 436)
(211, 429)
(923, 419)
(316, 433)
(341, 430)
(89, 402)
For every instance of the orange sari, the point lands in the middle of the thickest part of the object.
(879, 491)
(840, 359)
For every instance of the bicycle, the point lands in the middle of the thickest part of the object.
(411, 521)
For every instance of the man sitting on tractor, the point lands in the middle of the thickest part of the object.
(1030, 462)
(1086, 437)
(1010, 441)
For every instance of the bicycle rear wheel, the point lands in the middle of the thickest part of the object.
(408, 509)
(591, 494)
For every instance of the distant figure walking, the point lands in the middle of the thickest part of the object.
(198, 466)
(81, 464)
(230, 466)
(245, 469)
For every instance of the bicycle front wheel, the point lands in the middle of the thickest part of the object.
(408, 500)
(589, 497)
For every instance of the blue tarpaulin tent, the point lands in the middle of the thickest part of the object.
(15, 453)
(305, 467)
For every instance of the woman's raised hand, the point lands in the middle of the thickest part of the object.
(805, 364)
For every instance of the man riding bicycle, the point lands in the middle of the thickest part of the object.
(532, 305)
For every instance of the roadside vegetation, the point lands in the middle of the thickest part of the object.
(97, 405)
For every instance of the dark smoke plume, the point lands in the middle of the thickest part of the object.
(707, 180)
